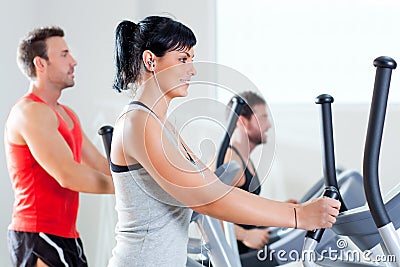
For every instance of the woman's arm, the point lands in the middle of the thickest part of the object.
(145, 141)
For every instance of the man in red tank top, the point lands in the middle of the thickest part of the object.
(49, 158)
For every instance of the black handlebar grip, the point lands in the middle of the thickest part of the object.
(328, 149)
(106, 133)
(372, 147)
(324, 99)
(237, 107)
(330, 192)
(385, 62)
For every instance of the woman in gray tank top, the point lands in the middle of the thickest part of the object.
(158, 180)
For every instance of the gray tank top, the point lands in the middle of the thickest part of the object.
(152, 227)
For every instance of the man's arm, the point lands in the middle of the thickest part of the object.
(92, 157)
(254, 238)
(240, 177)
(38, 127)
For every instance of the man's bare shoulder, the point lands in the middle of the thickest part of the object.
(27, 109)
(27, 114)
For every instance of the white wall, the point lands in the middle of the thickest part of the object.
(89, 27)
(295, 50)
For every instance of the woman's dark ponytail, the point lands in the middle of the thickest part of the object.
(156, 34)
(127, 46)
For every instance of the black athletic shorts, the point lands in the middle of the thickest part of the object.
(55, 251)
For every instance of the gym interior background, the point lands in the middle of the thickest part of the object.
(291, 50)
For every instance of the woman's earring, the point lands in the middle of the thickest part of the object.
(151, 63)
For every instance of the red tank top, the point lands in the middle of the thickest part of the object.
(41, 204)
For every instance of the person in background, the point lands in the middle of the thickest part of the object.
(251, 131)
(49, 159)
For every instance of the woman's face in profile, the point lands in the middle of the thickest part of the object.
(174, 71)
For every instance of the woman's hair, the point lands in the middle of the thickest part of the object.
(252, 99)
(157, 34)
(33, 45)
